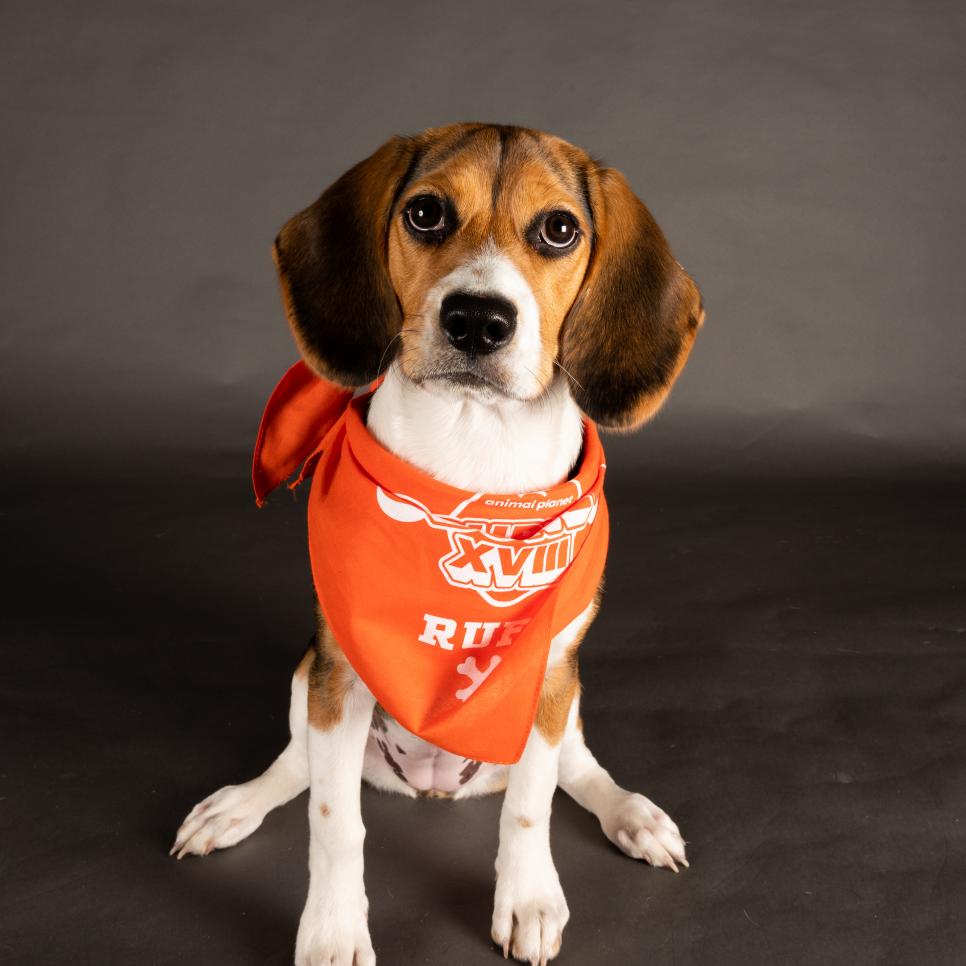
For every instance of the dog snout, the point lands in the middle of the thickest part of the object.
(477, 324)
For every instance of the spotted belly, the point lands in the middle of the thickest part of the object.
(397, 760)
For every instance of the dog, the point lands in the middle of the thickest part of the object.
(508, 292)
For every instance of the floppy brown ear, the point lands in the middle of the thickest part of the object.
(331, 261)
(631, 327)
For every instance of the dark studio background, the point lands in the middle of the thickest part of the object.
(780, 658)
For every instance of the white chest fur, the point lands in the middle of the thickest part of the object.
(503, 447)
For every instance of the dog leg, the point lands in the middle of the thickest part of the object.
(232, 813)
(632, 822)
(333, 930)
(529, 910)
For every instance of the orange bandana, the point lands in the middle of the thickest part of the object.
(443, 601)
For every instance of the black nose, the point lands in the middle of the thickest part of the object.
(477, 324)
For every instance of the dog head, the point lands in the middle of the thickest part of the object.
(487, 259)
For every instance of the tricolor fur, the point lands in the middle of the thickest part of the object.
(492, 339)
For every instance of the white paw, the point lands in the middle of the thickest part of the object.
(529, 914)
(638, 827)
(334, 931)
(223, 819)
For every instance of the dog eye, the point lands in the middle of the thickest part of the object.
(559, 230)
(426, 213)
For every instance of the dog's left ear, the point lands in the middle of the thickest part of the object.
(331, 261)
(631, 327)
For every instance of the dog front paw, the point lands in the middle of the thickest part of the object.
(529, 915)
(223, 819)
(334, 931)
(643, 831)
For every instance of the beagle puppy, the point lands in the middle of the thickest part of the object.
(504, 287)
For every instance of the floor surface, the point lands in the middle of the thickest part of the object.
(781, 665)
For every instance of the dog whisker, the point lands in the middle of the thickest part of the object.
(568, 373)
(389, 345)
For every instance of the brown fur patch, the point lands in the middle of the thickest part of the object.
(469, 770)
(390, 761)
(329, 680)
(524, 822)
(325, 810)
(562, 684)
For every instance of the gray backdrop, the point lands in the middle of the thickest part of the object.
(804, 159)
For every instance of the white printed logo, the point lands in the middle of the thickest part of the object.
(497, 558)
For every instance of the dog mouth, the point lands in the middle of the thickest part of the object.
(472, 380)
(468, 382)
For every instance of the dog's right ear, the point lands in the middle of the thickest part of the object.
(331, 261)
